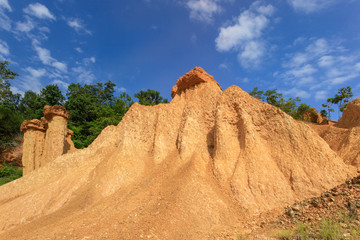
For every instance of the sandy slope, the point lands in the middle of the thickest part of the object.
(201, 166)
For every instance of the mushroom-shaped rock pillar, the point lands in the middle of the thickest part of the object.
(55, 118)
(34, 137)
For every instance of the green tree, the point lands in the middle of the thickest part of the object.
(329, 110)
(150, 97)
(107, 93)
(92, 108)
(257, 94)
(32, 105)
(52, 95)
(323, 113)
(342, 98)
(291, 106)
(122, 104)
(10, 119)
(273, 97)
(6, 74)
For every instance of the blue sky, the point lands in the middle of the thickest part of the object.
(305, 48)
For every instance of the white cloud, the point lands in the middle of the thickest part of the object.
(321, 95)
(296, 92)
(4, 48)
(224, 66)
(357, 66)
(298, 60)
(343, 79)
(303, 71)
(309, 6)
(32, 80)
(203, 10)
(25, 26)
(318, 47)
(251, 54)
(84, 75)
(43, 54)
(45, 57)
(121, 89)
(87, 61)
(326, 61)
(245, 34)
(317, 66)
(38, 10)
(5, 21)
(305, 81)
(15, 90)
(5, 4)
(36, 73)
(60, 65)
(77, 25)
(79, 50)
(60, 83)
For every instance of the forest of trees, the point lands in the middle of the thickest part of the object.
(92, 107)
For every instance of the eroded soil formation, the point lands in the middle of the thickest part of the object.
(201, 167)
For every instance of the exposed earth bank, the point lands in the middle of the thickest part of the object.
(207, 165)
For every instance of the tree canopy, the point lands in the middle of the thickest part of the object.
(291, 106)
(341, 99)
(92, 107)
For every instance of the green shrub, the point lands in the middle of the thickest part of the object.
(302, 231)
(9, 173)
(285, 234)
(330, 230)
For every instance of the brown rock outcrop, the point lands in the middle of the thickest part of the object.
(56, 133)
(313, 116)
(69, 145)
(34, 136)
(351, 115)
(206, 163)
(47, 139)
(195, 76)
(344, 136)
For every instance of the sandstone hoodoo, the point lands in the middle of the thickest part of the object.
(47, 139)
(198, 167)
(34, 135)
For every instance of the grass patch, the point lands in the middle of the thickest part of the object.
(285, 234)
(330, 229)
(302, 231)
(9, 173)
(343, 227)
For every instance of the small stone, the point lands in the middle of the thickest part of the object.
(343, 225)
(296, 208)
(346, 235)
(315, 202)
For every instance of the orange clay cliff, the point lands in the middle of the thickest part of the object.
(200, 167)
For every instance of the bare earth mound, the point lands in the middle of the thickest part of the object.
(198, 167)
(344, 137)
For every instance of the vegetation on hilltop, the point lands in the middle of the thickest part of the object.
(291, 106)
(92, 107)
